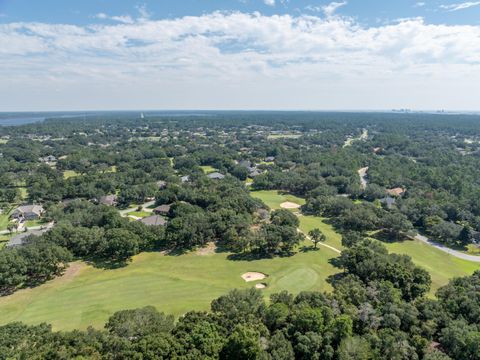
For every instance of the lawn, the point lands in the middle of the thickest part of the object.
(23, 193)
(273, 198)
(3, 141)
(173, 284)
(67, 174)
(207, 169)
(4, 220)
(4, 240)
(140, 214)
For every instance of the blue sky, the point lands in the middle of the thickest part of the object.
(239, 54)
(365, 11)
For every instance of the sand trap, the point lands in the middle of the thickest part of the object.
(261, 286)
(290, 205)
(253, 276)
(207, 250)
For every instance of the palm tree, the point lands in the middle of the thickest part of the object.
(317, 236)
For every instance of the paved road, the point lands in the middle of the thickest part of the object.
(144, 206)
(443, 248)
(20, 230)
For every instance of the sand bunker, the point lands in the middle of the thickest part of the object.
(253, 276)
(290, 205)
(261, 286)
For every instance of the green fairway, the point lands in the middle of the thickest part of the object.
(174, 284)
(207, 169)
(67, 174)
(439, 264)
(273, 198)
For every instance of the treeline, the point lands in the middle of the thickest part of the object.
(377, 310)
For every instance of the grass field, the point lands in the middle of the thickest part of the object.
(3, 141)
(439, 264)
(273, 198)
(67, 174)
(207, 169)
(174, 284)
(4, 221)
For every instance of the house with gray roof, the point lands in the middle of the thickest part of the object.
(154, 220)
(28, 212)
(21, 239)
(216, 176)
(109, 200)
(162, 209)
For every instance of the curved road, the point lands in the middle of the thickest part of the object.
(443, 248)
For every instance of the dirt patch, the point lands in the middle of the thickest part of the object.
(290, 205)
(207, 250)
(72, 270)
(261, 286)
(253, 276)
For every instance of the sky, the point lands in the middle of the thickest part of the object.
(239, 54)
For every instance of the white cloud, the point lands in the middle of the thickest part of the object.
(330, 9)
(420, 4)
(235, 60)
(126, 19)
(460, 6)
(269, 2)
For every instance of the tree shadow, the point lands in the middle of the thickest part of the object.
(307, 249)
(108, 264)
(248, 256)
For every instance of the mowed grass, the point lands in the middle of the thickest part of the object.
(140, 214)
(207, 169)
(67, 174)
(173, 284)
(273, 198)
(441, 266)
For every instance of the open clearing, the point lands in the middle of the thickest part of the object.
(67, 174)
(207, 169)
(273, 198)
(173, 284)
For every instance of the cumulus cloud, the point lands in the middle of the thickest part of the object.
(269, 2)
(420, 4)
(460, 6)
(126, 19)
(330, 9)
(239, 59)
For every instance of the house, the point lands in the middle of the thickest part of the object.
(109, 200)
(255, 172)
(162, 209)
(388, 201)
(154, 220)
(245, 163)
(48, 159)
(161, 184)
(396, 191)
(185, 178)
(270, 159)
(28, 212)
(20, 239)
(216, 176)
